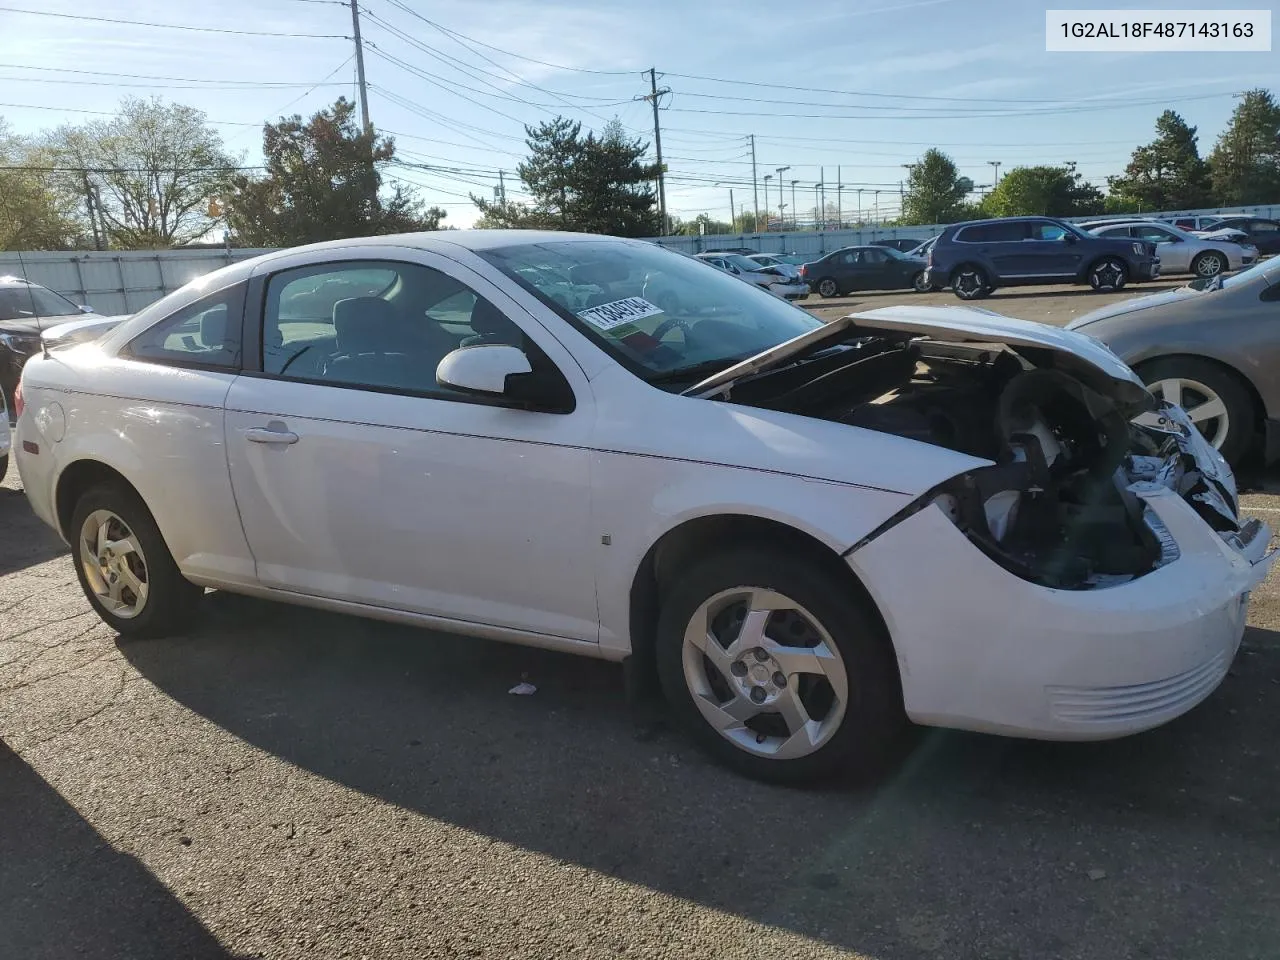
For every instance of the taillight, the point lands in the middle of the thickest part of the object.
(18, 403)
(804, 270)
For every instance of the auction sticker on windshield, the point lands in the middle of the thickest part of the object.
(609, 315)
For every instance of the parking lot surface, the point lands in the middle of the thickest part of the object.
(289, 783)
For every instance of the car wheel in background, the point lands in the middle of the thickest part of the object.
(970, 282)
(776, 668)
(1215, 399)
(828, 288)
(918, 283)
(1208, 264)
(1108, 274)
(125, 567)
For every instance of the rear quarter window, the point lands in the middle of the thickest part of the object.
(992, 232)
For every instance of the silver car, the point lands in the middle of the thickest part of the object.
(1213, 348)
(1180, 251)
(767, 278)
(789, 270)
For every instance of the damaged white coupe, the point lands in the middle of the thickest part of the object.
(808, 535)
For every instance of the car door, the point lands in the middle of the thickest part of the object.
(877, 270)
(360, 479)
(1265, 235)
(1174, 252)
(1048, 250)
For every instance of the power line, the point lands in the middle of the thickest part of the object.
(148, 76)
(178, 26)
(519, 56)
(206, 85)
(113, 113)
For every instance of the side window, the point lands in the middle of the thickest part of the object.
(872, 257)
(205, 333)
(379, 326)
(994, 232)
(1261, 226)
(1043, 230)
(849, 258)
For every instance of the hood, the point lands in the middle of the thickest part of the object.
(1229, 234)
(38, 324)
(1134, 305)
(1088, 360)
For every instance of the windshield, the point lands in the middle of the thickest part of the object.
(894, 252)
(662, 315)
(741, 262)
(23, 302)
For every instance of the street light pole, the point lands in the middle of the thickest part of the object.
(996, 178)
(795, 222)
(767, 177)
(860, 205)
(782, 225)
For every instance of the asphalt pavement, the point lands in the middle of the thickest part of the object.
(288, 783)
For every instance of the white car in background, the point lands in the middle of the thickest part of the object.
(808, 532)
(1180, 251)
(781, 284)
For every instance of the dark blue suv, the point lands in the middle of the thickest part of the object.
(977, 256)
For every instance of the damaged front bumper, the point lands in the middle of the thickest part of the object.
(994, 652)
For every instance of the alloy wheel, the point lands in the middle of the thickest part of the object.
(1205, 408)
(114, 565)
(764, 673)
(1108, 275)
(1209, 265)
(968, 285)
(827, 288)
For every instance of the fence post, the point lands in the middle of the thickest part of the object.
(84, 293)
(124, 284)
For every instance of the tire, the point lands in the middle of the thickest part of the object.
(919, 284)
(855, 737)
(970, 282)
(1108, 275)
(828, 288)
(139, 557)
(1209, 264)
(1197, 378)
(4, 466)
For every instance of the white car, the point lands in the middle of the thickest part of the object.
(789, 270)
(783, 285)
(807, 532)
(5, 437)
(1183, 252)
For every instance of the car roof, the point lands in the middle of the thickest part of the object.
(11, 281)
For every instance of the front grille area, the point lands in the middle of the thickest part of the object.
(1138, 700)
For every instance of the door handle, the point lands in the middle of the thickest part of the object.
(268, 435)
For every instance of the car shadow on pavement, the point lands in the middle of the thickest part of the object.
(28, 541)
(64, 892)
(1031, 293)
(974, 840)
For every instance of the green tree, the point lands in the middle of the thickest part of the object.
(1245, 163)
(156, 166)
(1166, 174)
(701, 225)
(935, 191)
(322, 182)
(1044, 191)
(34, 215)
(594, 184)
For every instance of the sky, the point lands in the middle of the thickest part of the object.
(455, 83)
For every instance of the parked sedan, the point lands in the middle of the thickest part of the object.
(1180, 251)
(864, 268)
(25, 309)
(772, 515)
(1212, 347)
(776, 280)
(1264, 233)
(901, 244)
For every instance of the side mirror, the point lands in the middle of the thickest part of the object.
(1068, 238)
(85, 308)
(482, 369)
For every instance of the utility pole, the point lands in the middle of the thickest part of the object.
(364, 91)
(755, 187)
(815, 207)
(823, 184)
(839, 198)
(89, 208)
(860, 205)
(732, 212)
(654, 94)
(502, 187)
(767, 178)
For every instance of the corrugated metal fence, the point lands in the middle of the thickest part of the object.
(126, 281)
(117, 282)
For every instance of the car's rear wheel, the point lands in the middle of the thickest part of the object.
(124, 565)
(970, 282)
(1209, 264)
(4, 466)
(1108, 274)
(1216, 401)
(918, 283)
(774, 666)
(828, 288)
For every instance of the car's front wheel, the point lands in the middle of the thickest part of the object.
(1108, 274)
(1209, 264)
(124, 565)
(776, 668)
(828, 288)
(1215, 399)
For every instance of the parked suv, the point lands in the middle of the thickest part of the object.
(977, 256)
(25, 310)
